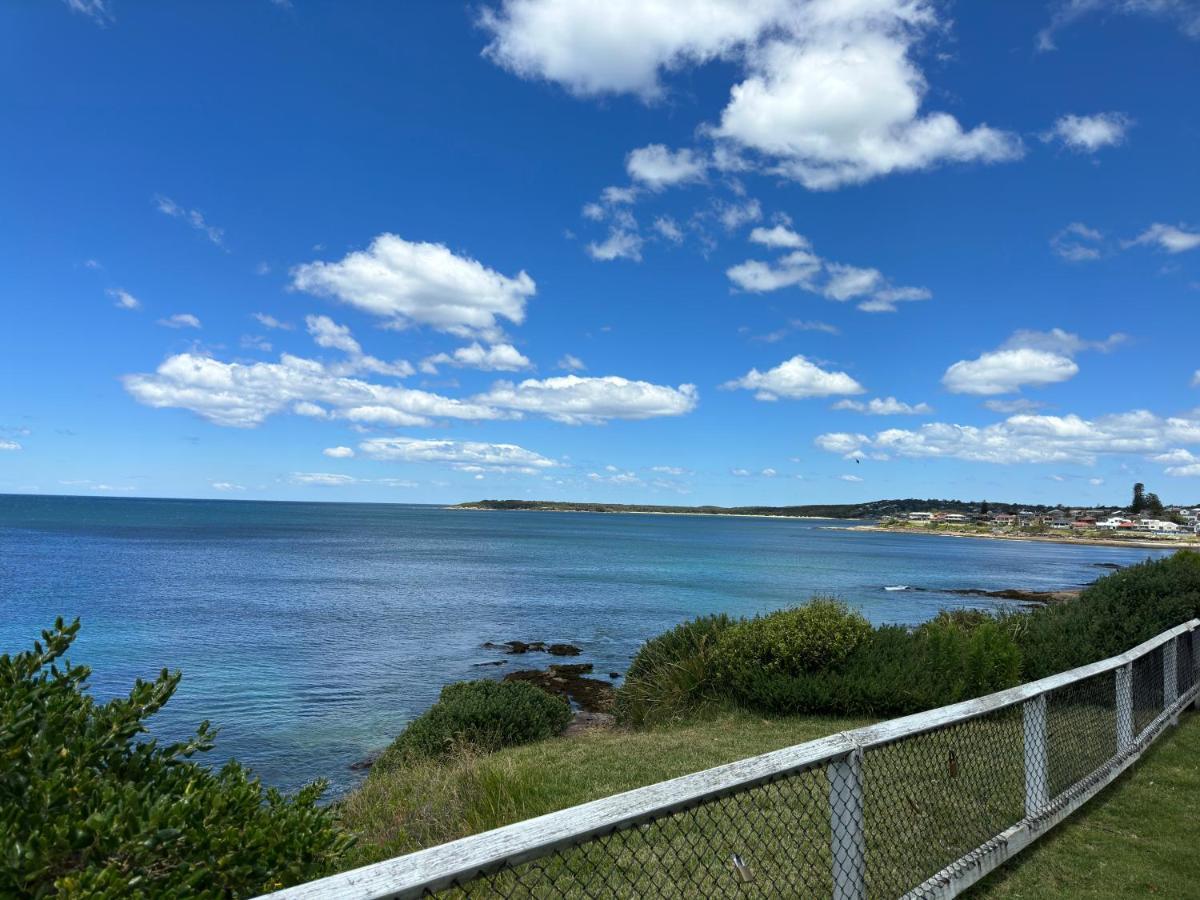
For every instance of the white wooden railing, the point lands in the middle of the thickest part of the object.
(1107, 700)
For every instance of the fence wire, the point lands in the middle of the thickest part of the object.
(899, 816)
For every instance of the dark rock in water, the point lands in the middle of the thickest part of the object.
(614, 675)
(366, 763)
(519, 647)
(568, 682)
(1108, 565)
(494, 662)
(522, 647)
(1013, 594)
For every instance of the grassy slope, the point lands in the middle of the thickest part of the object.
(403, 810)
(1137, 839)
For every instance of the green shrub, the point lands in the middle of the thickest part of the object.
(481, 715)
(799, 641)
(894, 671)
(89, 808)
(673, 674)
(1112, 615)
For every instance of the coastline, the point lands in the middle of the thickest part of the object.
(1164, 544)
(648, 512)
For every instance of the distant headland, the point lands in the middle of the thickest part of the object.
(875, 509)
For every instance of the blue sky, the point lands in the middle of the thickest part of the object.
(780, 251)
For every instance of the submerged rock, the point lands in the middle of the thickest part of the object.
(568, 682)
(518, 647)
(1014, 594)
(366, 762)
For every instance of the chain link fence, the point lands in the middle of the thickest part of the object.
(919, 807)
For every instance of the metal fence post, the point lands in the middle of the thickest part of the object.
(1037, 768)
(1124, 707)
(1170, 675)
(847, 843)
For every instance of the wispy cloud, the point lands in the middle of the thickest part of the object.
(193, 217)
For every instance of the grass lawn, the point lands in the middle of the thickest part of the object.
(402, 810)
(1136, 839)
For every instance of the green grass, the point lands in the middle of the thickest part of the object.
(1136, 839)
(405, 809)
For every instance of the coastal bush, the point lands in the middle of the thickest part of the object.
(672, 674)
(894, 671)
(809, 638)
(483, 716)
(1113, 614)
(91, 808)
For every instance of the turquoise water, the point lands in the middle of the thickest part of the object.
(310, 633)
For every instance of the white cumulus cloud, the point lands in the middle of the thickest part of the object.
(339, 452)
(496, 358)
(467, 456)
(796, 379)
(1027, 438)
(1171, 238)
(1087, 134)
(885, 406)
(407, 282)
(244, 395)
(586, 400)
(658, 167)
(1005, 371)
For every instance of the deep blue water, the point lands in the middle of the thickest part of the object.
(310, 633)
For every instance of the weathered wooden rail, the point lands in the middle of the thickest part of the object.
(917, 807)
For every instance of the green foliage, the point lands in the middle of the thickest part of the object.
(1112, 615)
(89, 808)
(672, 674)
(823, 658)
(480, 715)
(794, 642)
(895, 671)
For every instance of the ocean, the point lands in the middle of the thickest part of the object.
(311, 632)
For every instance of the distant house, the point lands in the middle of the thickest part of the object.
(1158, 526)
(920, 517)
(1027, 519)
(1113, 523)
(1083, 523)
(1004, 519)
(1059, 521)
(953, 517)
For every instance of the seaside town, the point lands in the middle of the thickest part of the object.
(1141, 520)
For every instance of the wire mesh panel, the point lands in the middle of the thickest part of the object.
(1147, 689)
(933, 797)
(1081, 730)
(772, 840)
(1185, 661)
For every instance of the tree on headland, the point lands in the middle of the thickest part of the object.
(1139, 499)
(984, 509)
(1154, 506)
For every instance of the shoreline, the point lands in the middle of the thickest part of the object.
(1147, 543)
(648, 512)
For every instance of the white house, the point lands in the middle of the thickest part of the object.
(920, 517)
